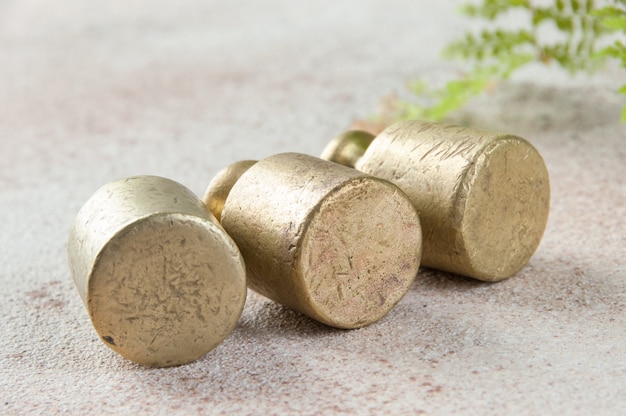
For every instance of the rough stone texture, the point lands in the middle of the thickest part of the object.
(94, 91)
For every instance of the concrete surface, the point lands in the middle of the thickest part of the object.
(94, 91)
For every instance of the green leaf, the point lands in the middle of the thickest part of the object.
(611, 17)
(564, 24)
(615, 22)
(540, 15)
(491, 9)
(497, 51)
(559, 5)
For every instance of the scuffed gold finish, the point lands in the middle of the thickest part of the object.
(218, 189)
(162, 281)
(333, 243)
(483, 197)
(347, 150)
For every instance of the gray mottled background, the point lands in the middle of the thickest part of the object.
(94, 91)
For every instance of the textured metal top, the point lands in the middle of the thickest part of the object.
(360, 252)
(162, 282)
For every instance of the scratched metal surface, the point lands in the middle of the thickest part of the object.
(483, 196)
(161, 280)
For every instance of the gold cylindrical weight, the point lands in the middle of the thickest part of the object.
(483, 197)
(330, 242)
(162, 281)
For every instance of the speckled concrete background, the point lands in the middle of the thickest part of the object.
(94, 91)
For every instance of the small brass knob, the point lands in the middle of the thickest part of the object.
(162, 281)
(220, 185)
(483, 197)
(330, 242)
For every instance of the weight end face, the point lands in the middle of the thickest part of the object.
(360, 253)
(166, 290)
(505, 202)
(162, 281)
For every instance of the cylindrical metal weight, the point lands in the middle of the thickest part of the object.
(330, 242)
(483, 197)
(162, 281)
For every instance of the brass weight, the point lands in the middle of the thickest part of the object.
(330, 242)
(483, 197)
(162, 281)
